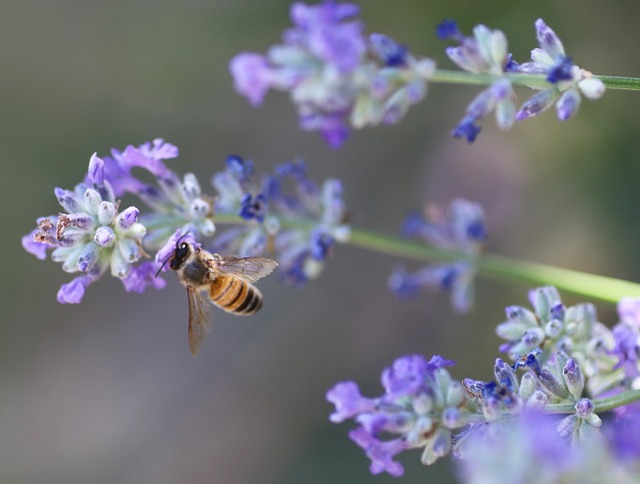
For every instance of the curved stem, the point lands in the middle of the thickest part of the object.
(504, 268)
(488, 265)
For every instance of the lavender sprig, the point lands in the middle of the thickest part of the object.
(424, 407)
(567, 80)
(92, 237)
(338, 80)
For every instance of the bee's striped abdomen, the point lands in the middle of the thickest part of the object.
(235, 295)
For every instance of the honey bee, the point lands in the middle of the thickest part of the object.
(228, 281)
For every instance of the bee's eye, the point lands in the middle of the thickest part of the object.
(184, 246)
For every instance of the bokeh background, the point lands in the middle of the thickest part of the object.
(107, 391)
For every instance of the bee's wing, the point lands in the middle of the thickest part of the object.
(249, 269)
(198, 319)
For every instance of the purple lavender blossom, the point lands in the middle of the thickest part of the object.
(553, 327)
(419, 408)
(91, 237)
(462, 229)
(626, 346)
(302, 253)
(629, 311)
(484, 53)
(143, 276)
(531, 450)
(336, 78)
(287, 195)
(498, 98)
(568, 81)
(148, 156)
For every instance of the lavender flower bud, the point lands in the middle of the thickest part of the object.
(573, 378)
(104, 236)
(553, 328)
(528, 385)
(568, 104)
(537, 400)
(106, 213)
(551, 383)
(127, 218)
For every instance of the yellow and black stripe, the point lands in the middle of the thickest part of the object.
(235, 295)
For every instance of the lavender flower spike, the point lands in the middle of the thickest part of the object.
(91, 237)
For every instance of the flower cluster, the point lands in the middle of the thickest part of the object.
(552, 328)
(286, 216)
(335, 76)
(286, 212)
(424, 407)
(484, 53)
(568, 81)
(532, 450)
(420, 407)
(90, 237)
(462, 229)
(487, 53)
(338, 79)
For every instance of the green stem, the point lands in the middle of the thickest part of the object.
(530, 80)
(601, 405)
(504, 268)
(492, 266)
(621, 83)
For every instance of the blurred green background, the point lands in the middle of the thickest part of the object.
(108, 392)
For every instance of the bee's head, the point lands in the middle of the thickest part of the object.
(180, 254)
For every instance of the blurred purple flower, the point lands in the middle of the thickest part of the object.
(418, 409)
(336, 77)
(463, 230)
(568, 81)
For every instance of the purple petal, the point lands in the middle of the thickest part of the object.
(39, 249)
(348, 401)
(158, 149)
(128, 217)
(142, 276)
(251, 75)
(96, 170)
(629, 311)
(381, 453)
(73, 292)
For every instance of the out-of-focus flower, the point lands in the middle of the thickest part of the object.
(334, 76)
(302, 252)
(420, 407)
(286, 213)
(531, 449)
(462, 230)
(484, 53)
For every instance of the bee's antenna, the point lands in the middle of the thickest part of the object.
(162, 266)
